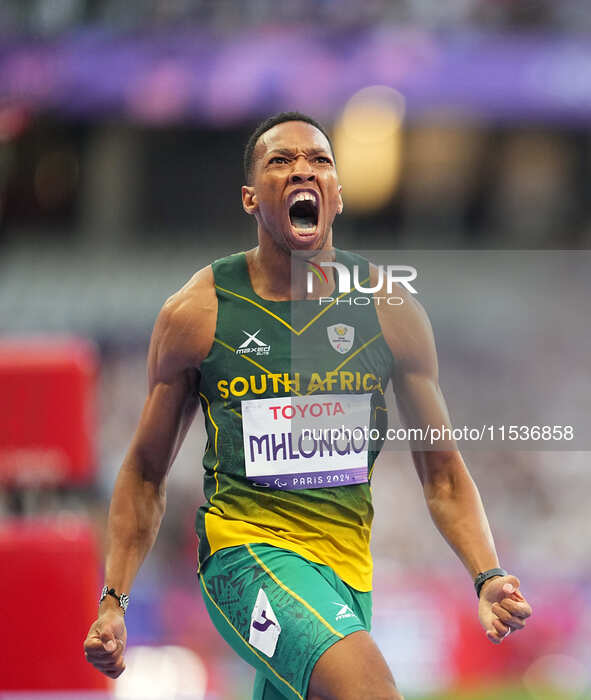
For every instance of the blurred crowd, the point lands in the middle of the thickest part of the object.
(37, 16)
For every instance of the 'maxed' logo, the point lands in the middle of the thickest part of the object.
(394, 274)
(259, 348)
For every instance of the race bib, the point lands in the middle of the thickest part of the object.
(305, 442)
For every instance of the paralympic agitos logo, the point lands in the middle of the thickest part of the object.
(393, 274)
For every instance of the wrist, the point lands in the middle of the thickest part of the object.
(484, 577)
(485, 584)
(110, 596)
(110, 605)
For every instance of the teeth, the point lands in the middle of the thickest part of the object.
(302, 197)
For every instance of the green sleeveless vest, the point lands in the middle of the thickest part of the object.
(321, 365)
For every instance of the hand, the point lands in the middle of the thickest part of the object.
(502, 609)
(105, 644)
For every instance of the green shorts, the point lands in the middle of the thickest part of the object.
(279, 612)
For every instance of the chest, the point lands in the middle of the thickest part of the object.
(300, 347)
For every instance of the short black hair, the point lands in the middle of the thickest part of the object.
(269, 124)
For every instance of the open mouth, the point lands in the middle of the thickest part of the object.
(303, 212)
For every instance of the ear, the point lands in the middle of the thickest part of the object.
(340, 205)
(249, 199)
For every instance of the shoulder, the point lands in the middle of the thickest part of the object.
(197, 296)
(406, 326)
(185, 327)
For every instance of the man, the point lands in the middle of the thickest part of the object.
(285, 567)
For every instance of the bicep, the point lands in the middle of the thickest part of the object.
(416, 373)
(167, 414)
(171, 402)
(421, 402)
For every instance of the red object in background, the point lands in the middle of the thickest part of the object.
(48, 597)
(476, 660)
(47, 411)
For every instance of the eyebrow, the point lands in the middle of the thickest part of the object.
(291, 151)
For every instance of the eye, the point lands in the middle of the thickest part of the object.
(324, 159)
(278, 159)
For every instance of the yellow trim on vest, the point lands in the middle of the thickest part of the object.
(293, 594)
(250, 647)
(278, 318)
(344, 362)
(215, 443)
(375, 413)
(352, 355)
(260, 306)
(221, 342)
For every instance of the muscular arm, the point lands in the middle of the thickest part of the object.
(139, 496)
(181, 339)
(450, 493)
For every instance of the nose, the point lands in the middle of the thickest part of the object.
(302, 171)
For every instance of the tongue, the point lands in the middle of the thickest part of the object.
(304, 223)
(303, 216)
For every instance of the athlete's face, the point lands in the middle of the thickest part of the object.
(295, 193)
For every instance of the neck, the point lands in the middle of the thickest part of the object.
(278, 275)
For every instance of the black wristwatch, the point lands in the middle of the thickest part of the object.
(122, 599)
(484, 576)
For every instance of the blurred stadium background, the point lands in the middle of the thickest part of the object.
(121, 135)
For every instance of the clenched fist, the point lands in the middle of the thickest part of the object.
(105, 644)
(502, 608)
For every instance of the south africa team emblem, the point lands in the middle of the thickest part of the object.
(341, 337)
